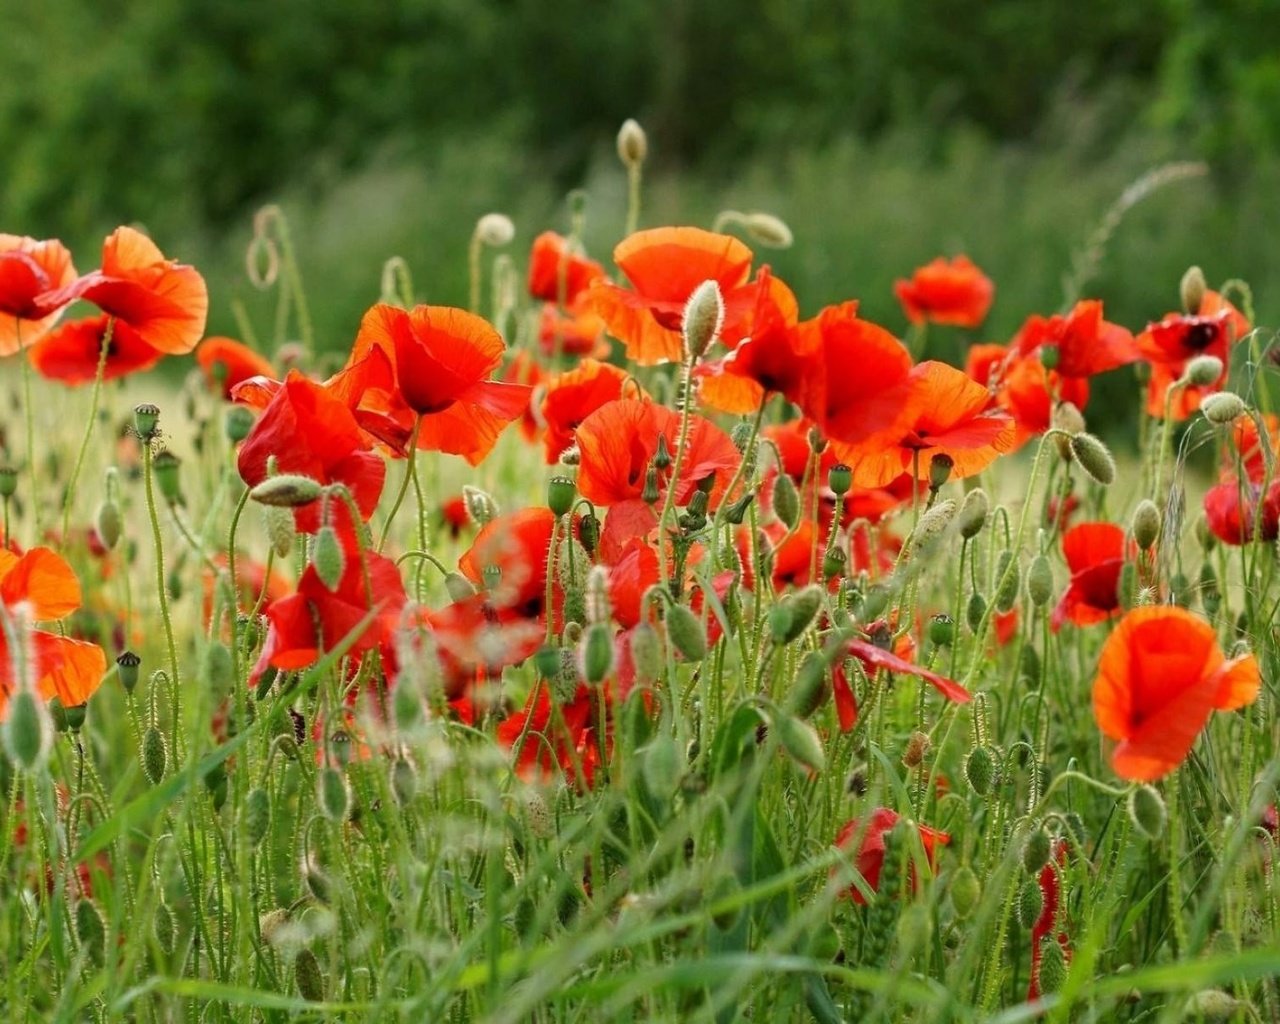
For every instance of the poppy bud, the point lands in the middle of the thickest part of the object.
(973, 513)
(75, 716)
(1040, 580)
(660, 767)
(154, 755)
(1049, 356)
(328, 558)
(1145, 525)
(1203, 371)
(480, 506)
(255, 817)
(597, 653)
(1053, 965)
(91, 931)
(404, 781)
(633, 144)
(650, 494)
(1146, 811)
(1210, 592)
(980, 770)
(58, 715)
(107, 523)
(146, 421)
(1029, 664)
(127, 663)
(281, 529)
(786, 500)
(27, 731)
(770, 231)
(686, 632)
(560, 495)
(646, 653)
(918, 746)
(810, 689)
(1008, 580)
(459, 587)
(803, 605)
(288, 490)
(163, 928)
(741, 435)
(1035, 851)
(1223, 408)
(875, 601)
(8, 481)
(974, 611)
(800, 740)
(546, 661)
(589, 532)
(1127, 586)
(166, 466)
(662, 455)
(1030, 903)
(306, 972)
(1191, 289)
(1094, 458)
(966, 891)
(334, 794)
(1180, 590)
(833, 563)
(940, 467)
(737, 512)
(1211, 1004)
(703, 317)
(840, 479)
(495, 230)
(942, 630)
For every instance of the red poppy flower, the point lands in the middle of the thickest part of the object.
(557, 274)
(311, 432)
(525, 371)
(1051, 894)
(473, 642)
(515, 547)
(943, 292)
(439, 360)
(163, 301)
(577, 332)
(1160, 675)
(572, 396)
(70, 354)
(1255, 449)
(1084, 344)
(1024, 388)
(1231, 510)
(946, 413)
(454, 515)
(869, 856)
(1095, 554)
(568, 743)
(316, 619)
(45, 588)
(619, 440)
(227, 362)
(664, 266)
(29, 269)
(1184, 401)
(1179, 337)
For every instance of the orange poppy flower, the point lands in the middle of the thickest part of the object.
(943, 292)
(29, 269)
(46, 588)
(944, 412)
(664, 266)
(1095, 554)
(1160, 675)
(1211, 331)
(516, 546)
(1185, 400)
(619, 440)
(1024, 388)
(557, 274)
(163, 301)
(869, 856)
(577, 332)
(1084, 344)
(572, 396)
(70, 354)
(227, 362)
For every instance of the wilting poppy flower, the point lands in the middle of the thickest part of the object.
(557, 274)
(29, 269)
(1095, 554)
(943, 292)
(572, 396)
(45, 588)
(946, 413)
(1083, 344)
(576, 332)
(71, 353)
(309, 431)
(570, 744)
(316, 619)
(869, 857)
(1160, 674)
(226, 362)
(664, 266)
(163, 301)
(619, 440)
(1051, 894)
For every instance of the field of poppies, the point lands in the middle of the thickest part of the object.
(632, 643)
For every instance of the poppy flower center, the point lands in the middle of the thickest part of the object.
(1200, 336)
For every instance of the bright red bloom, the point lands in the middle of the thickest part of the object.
(548, 744)
(163, 301)
(1095, 554)
(311, 432)
(1160, 675)
(556, 273)
(577, 332)
(1024, 388)
(474, 641)
(1084, 344)
(869, 856)
(1232, 513)
(664, 266)
(45, 588)
(29, 269)
(1173, 342)
(619, 440)
(454, 515)
(70, 354)
(524, 370)
(1051, 893)
(515, 546)
(572, 396)
(943, 292)
(946, 412)
(226, 362)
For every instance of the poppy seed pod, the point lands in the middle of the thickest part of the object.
(146, 421)
(1203, 371)
(127, 663)
(1191, 289)
(561, 493)
(495, 230)
(940, 467)
(942, 630)
(840, 479)
(703, 317)
(1094, 458)
(633, 144)
(8, 481)
(1223, 408)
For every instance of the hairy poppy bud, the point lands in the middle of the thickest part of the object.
(786, 500)
(1223, 408)
(1147, 812)
(1035, 851)
(154, 755)
(973, 513)
(127, 664)
(163, 927)
(1210, 591)
(1191, 289)
(660, 767)
(306, 972)
(800, 740)
(166, 466)
(255, 816)
(646, 652)
(91, 931)
(791, 616)
(107, 523)
(918, 746)
(146, 421)
(974, 611)
(933, 523)
(495, 230)
(328, 558)
(1030, 903)
(633, 144)
(288, 490)
(810, 690)
(770, 231)
(404, 781)
(1203, 371)
(966, 891)
(27, 731)
(480, 506)
(560, 495)
(237, 423)
(980, 770)
(459, 587)
(281, 529)
(1145, 525)
(334, 794)
(737, 512)
(1094, 458)
(703, 317)
(1053, 965)
(1211, 1004)
(686, 632)
(597, 653)
(1040, 580)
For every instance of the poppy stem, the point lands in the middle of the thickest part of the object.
(410, 473)
(686, 415)
(162, 592)
(90, 422)
(29, 415)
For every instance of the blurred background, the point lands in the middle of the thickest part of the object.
(883, 133)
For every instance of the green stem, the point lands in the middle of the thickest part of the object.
(95, 398)
(404, 484)
(686, 415)
(162, 593)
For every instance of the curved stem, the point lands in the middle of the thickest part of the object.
(94, 399)
(404, 484)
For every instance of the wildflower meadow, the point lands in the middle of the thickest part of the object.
(633, 640)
